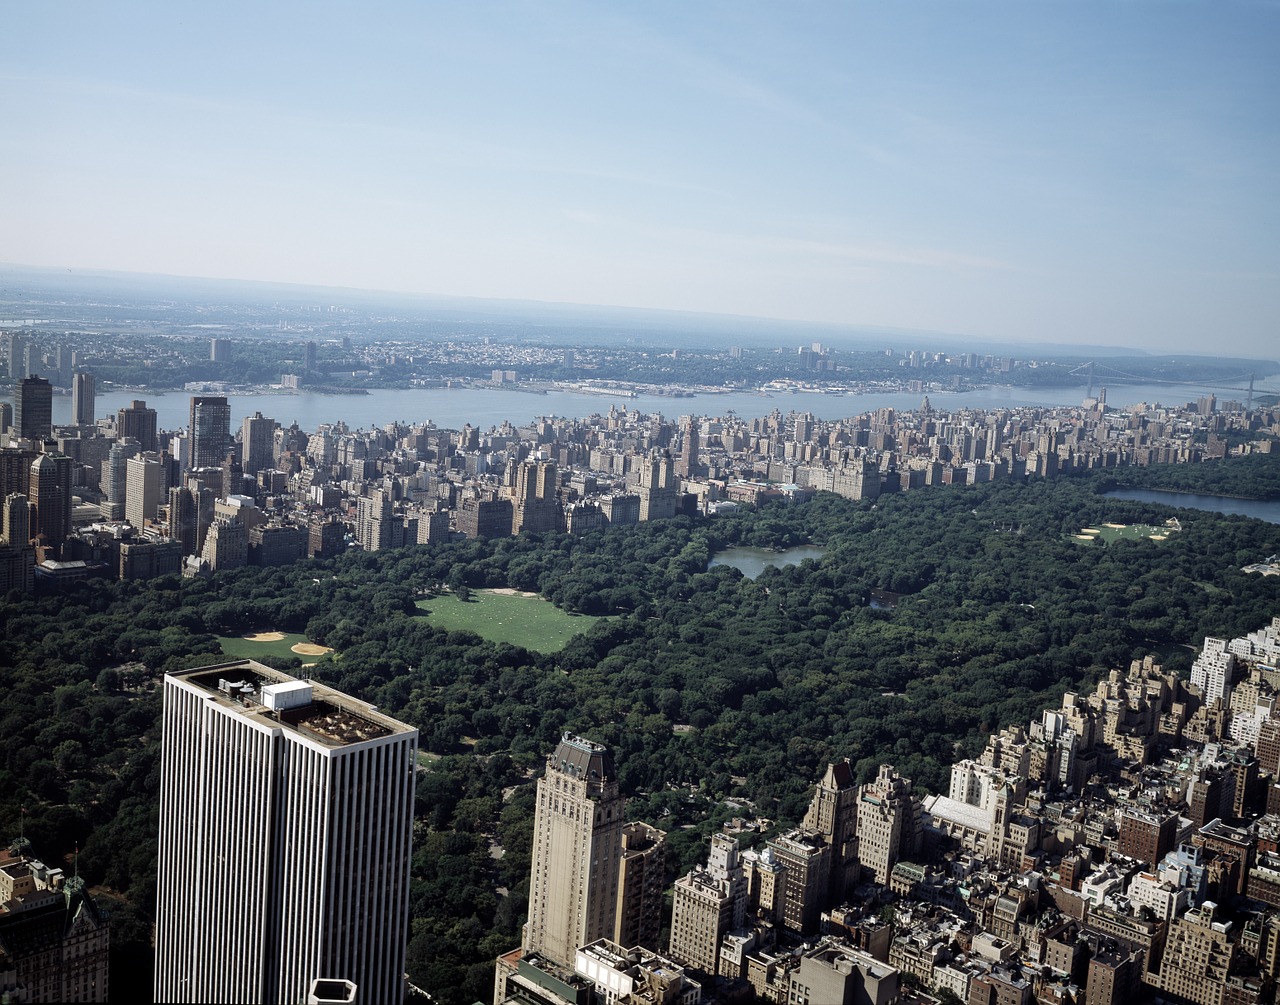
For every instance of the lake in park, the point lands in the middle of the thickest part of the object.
(753, 561)
(1257, 508)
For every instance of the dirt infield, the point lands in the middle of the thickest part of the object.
(309, 649)
(263, 637)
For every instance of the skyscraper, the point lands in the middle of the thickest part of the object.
(210, 432)
(33, 408)
(82, 392)
(286, 812)
(50, 492)
(257, 443)
(138, 422)
(144, 489)
(577, 844)
(689, 466)
(16, 358)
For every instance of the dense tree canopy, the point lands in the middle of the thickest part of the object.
(999, 612)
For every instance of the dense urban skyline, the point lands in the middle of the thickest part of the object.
(1045, 172)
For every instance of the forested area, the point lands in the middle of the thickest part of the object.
(999, 613)
(1249, 477)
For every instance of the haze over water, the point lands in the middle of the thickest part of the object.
(452, 408)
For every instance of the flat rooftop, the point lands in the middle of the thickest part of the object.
(326, 715)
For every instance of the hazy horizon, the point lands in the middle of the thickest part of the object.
(606, 323)
(1087, 173)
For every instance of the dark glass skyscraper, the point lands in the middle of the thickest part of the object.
(33, 412)
(82, 399)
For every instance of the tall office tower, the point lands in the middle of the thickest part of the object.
(204, 501)
(309, 356)
(641, 877)
(17, 557)
(50, 494)
(219, 349)
(232, 475)
(210, 432)
(17, 519)
(144, 489)
(33, 408)
(689, 466)
(833, 813)
(6, 416)
(115, 470)
(577, 842)
(15, 358)
(138, 422)
(257, 443)
(32, 359)
(286, 816)
(707, 904)
(181, 525)
(888, 823)
(15, 469)
(82, 392)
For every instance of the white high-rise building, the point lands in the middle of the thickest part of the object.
(1214, 670)
(286, 815)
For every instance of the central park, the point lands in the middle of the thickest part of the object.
(720, 695)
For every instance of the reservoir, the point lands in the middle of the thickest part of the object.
(1257, 508)
(753, 561)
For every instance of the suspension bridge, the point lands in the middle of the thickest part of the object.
(1101, 373)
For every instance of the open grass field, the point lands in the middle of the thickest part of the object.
(269, 643)
(1109, 532)
(520, 619)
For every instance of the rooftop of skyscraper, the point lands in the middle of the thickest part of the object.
(583, 758)
(308, 707)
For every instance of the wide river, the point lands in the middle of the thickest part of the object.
(454, 407)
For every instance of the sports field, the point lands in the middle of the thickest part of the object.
(1109, 532)
(522, 619)
(255, 645)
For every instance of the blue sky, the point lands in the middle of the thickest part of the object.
(1026, 170)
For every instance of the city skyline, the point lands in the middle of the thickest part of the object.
(1031, 173)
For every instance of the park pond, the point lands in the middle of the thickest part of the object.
(753, 561)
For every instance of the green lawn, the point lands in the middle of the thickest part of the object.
(237, 648)
(530, 622)
(1106, 533)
